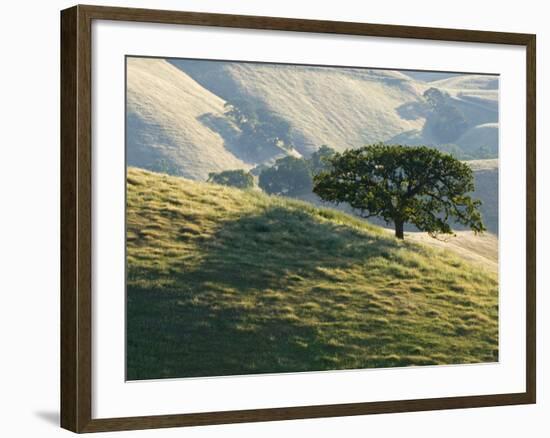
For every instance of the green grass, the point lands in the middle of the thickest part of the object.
(224, 282)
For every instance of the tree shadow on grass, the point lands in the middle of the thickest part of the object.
(268, 250)
(233, 313)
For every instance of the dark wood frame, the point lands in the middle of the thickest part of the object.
(76, 218)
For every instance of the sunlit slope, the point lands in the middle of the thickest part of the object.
(177, 121)
(166, 130)
(340, 107)
(480, 249)
(223, 281)
(469, 82)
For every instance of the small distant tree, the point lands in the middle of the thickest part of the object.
(234, 178)
(288, 176)
(444, 121)
(263, 133)
(400, 184)
(165, 166)
(320, 159)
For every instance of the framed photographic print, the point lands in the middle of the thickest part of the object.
(270, 218)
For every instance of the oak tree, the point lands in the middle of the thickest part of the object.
(403, 184)
(289, 176)
(233, 178)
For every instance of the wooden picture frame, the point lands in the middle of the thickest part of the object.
(76, 218)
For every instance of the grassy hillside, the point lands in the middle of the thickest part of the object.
(481, 249)
(177, 122)
(223, 282)
(346, 107)
(339, 107)
(165, 129)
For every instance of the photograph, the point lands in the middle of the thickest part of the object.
(285, 218)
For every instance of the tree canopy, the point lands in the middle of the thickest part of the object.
(403, 184)
(288, 176)
(263, 133)
(320, 159)
(292, 176)
(234, 178)
(444, 121)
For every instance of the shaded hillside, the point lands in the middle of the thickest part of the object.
(224, 282)
(480, 137)
(487, 190)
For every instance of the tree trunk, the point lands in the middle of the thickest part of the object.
(399, 230)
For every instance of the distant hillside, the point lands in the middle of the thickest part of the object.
(341, 107)
(478, 137)
(165, 130)
(477, 107)
(347, 107)
(468, 82)
(224, 282)
(487, 190)
(177, 118)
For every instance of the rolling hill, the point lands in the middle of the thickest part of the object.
(177, 119)
(467, 82)
(340, 107)
(164, 128)
(222, 281)
(487, 190)
(476, 97)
